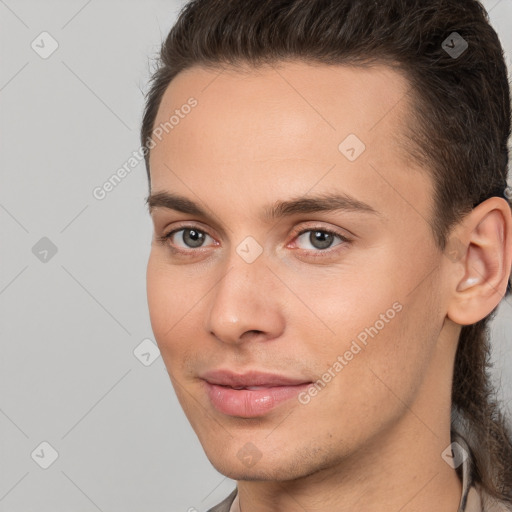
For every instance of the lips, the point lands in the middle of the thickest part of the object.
(250, 379)
(250, 388)
(251, 394)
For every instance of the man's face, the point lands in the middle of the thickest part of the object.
(348, 299)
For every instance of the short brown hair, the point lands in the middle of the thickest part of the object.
(459, 128)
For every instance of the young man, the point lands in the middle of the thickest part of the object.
(332, 236)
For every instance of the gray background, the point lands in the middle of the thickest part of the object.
(70, 321)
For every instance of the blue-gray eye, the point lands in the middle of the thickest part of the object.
(319, 239)
(191, 238)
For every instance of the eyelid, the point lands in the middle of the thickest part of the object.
(340, 231)
(315, 226)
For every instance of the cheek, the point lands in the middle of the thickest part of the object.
(366, 385)
(170, 300)
(374, 336)
(158, 296)
(342, 303)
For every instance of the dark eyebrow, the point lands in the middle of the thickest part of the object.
(174, 202)
(322, 203)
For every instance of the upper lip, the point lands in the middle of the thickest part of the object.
(250, 378)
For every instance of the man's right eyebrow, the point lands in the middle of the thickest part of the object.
(174, 202)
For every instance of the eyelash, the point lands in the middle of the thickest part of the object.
(319, 252)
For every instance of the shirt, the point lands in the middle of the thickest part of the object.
(473, 498)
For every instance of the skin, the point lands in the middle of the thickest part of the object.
(372, 438)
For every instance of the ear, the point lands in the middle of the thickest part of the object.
(482, 244)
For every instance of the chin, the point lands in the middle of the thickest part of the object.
(259, 473)
(271, 466)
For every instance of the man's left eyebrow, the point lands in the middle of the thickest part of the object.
(313, 204)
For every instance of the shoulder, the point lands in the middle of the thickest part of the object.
(491, 504)
(478, 500)
(474, 497)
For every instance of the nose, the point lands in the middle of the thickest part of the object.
(246, 304)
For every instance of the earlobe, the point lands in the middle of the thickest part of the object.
(487, 260)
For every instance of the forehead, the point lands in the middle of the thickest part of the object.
(276, 110)
(273, 123)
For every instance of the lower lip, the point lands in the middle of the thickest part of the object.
(248, 403)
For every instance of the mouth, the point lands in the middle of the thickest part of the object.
(250, 379)
(251, 394)
(250, 388)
